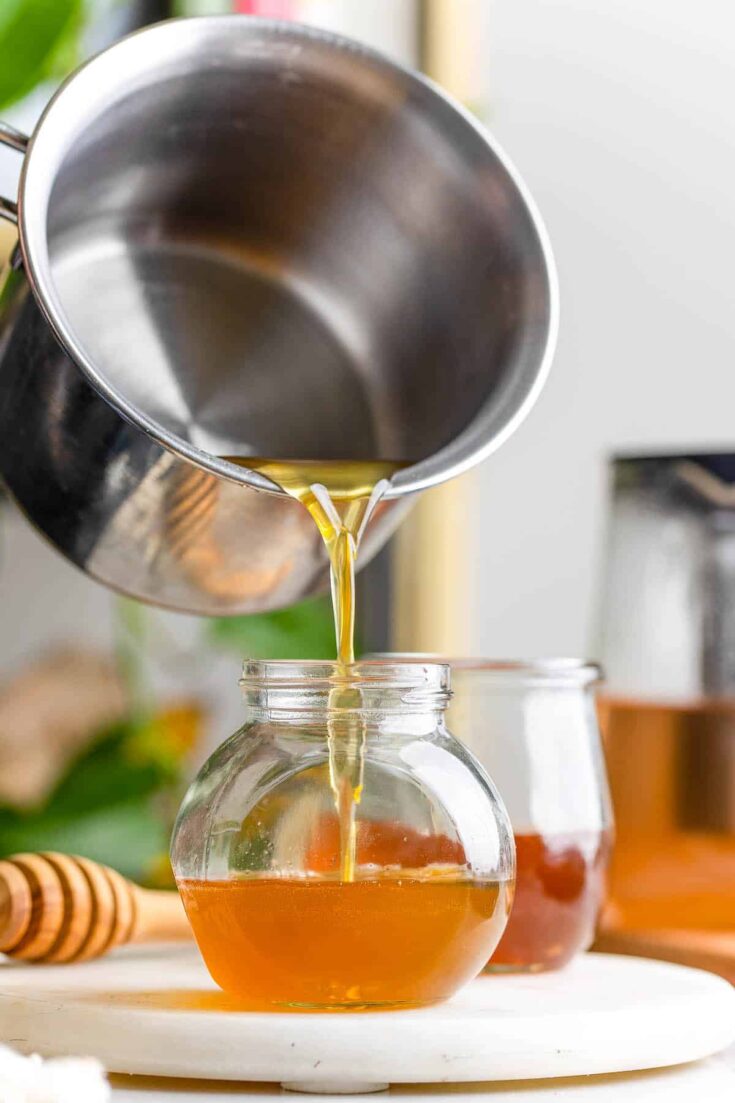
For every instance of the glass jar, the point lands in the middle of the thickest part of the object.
(667, 637)
(534, 728)
(342, 849)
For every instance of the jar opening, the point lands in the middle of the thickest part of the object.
(372, 685)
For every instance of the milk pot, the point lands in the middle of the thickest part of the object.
(240, 237)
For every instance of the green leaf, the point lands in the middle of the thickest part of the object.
(38, 41)
(11, 283)
(305, 631)
(111, 805)
(103, 774)
(129, 836)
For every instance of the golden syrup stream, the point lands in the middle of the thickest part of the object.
(340, 495)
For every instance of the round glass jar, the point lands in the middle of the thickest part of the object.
(342, 849)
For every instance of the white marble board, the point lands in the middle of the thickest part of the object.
(154, 1011)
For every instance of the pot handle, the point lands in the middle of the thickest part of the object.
(9, 136)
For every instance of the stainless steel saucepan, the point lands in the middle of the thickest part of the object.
(244, 237)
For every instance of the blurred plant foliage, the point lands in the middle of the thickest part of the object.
(117, 798)
(304, 631)
(39, 41)
(116, 801)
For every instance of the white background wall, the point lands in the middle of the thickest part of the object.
(388, 25)
(619, 113)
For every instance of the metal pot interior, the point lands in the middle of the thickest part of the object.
(257, 239)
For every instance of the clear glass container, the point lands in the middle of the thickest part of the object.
(342, 849)
(533, 727)
(666, 634)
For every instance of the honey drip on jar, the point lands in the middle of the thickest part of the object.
(340, 495)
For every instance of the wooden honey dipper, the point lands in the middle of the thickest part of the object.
(59, 908)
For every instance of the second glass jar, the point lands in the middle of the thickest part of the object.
(533, 726)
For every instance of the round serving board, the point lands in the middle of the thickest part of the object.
(155, 1011)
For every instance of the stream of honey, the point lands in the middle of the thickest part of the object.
(381, 915)
(340, 495)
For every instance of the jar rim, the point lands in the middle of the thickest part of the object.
(386, 671)
(556, 669)
(308, 684)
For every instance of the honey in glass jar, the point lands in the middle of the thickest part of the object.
(343, 850)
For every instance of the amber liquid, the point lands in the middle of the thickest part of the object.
(403, 941)
(559, 890)
(340, 495)
(387, 845)
(672, 778)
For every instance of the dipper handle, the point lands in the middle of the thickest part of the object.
(61, 908)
